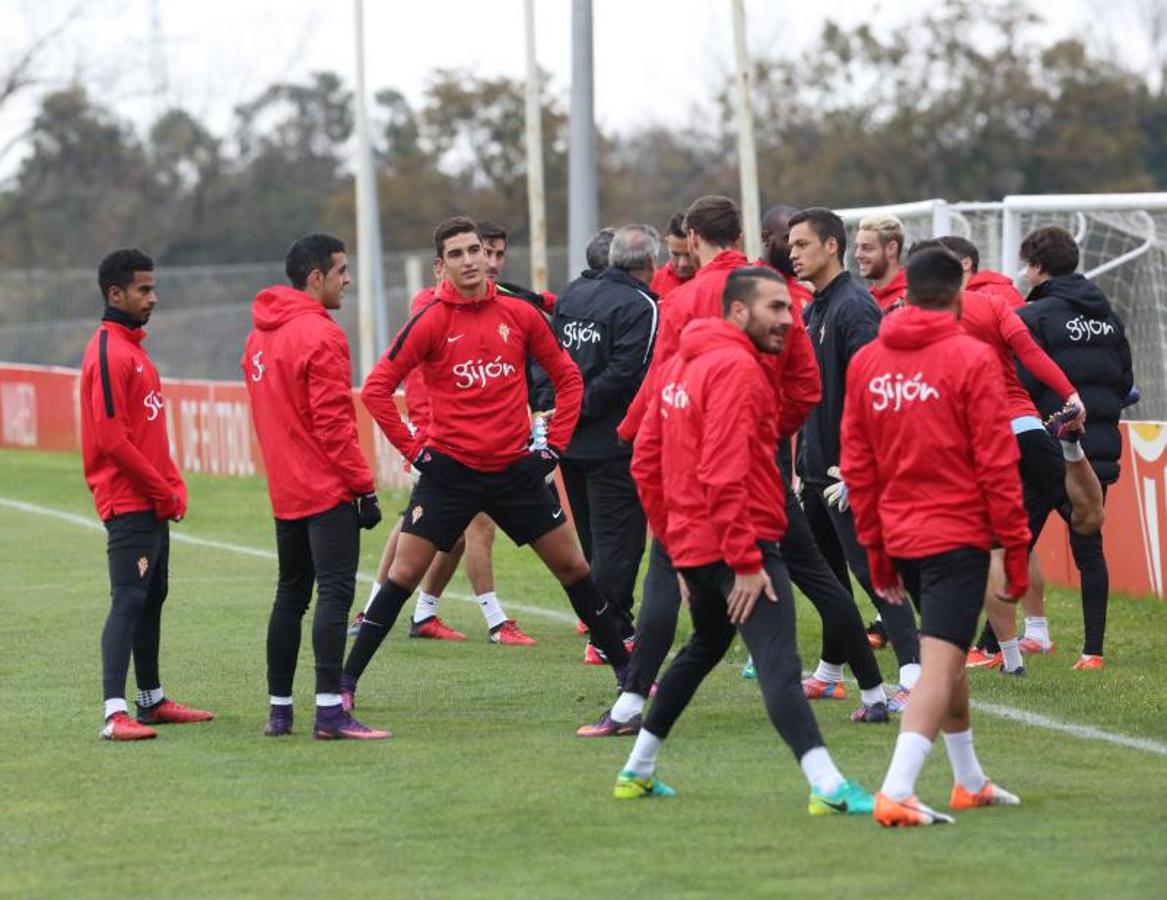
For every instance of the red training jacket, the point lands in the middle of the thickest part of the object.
(472, 354)
(986, 281)
(124, 445)
(299, 380)
(665, 280)
(890, 297)
(990, 318)
(928, 455)
(704, 459)
(417, 402)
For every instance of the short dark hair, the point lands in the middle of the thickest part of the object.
(311, 252)
(927, 244)
(742, 285)
(825, 224)
(451, 227)
(963, 248)
(934, 277)
(715, 219)
(491, 231)
(676, 226)
(1052, 249)
(118, 268)
(598, 247)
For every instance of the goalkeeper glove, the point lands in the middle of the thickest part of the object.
(836, 494)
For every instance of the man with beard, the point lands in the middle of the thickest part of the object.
(879, 244)
(680, 267)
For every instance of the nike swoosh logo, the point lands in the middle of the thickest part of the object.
(557, 514)
(456, 337)
(139, 368)
(837, 807)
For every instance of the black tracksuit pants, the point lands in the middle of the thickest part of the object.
(611, 526)
(324, 550)
(834, 532)
(769, 634)
(138, 547)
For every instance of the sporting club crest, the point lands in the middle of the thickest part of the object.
(504, 332)
(143, 565)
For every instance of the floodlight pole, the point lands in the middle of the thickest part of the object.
(746, 148)
(536, 205)
(372, 316)
(583, 214)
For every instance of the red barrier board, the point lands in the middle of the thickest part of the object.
(211, 432)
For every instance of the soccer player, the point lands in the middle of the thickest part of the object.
(1072, 320)
(299, 380)
(472, 345)
(776, 252)
(680, 266)
(841, 319)
(704, 465)
(931, 467)
(1047, 481)
(137, 491)
(607, 325)
(714, 225)
(879, 244)
(426, 623)
(983, 281)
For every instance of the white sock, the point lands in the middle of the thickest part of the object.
(377, 585)
(1012, 654)
(966, 768)
(829, 672)
(150, 698)
(328, 699)
(280, 701)
(820, 771)
(427, 607)
(909, 675)
(491, 610)
(911, 752)
(626, 706)
(642, 759)
(116, 705)
(872, 695)
(1072, 451)
(1037, 628)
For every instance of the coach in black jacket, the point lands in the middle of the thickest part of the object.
(607, 324)
(1074, 323)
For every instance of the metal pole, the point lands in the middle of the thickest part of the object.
(747, 152)
(582, 191)
(373, 319)
(536, 207)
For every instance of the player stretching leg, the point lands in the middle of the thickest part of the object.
(137, 491)
(472, 345)
(704, 466)
(296, 365)
(932, 469)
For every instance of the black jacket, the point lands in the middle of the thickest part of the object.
(607, 322)
(1074, 323)
(840, 319)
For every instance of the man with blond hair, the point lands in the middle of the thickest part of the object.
(879, 244)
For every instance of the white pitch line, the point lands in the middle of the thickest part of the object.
(1036, 720)
(182, 537)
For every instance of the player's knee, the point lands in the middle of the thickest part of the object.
(572, 570)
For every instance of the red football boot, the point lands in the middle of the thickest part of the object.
(170, 713)
(120, 727)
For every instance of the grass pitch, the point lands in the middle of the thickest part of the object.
(485, 791)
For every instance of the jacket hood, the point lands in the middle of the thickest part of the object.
(911, 327)
(987, 276)
(726, 259)
(279, 304)
(447, 293)
(710, 335)
(1076, 289)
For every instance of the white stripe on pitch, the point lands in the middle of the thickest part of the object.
(1035, 720)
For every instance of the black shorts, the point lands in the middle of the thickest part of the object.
(448, 496)
(1043, 478)
(949, 591)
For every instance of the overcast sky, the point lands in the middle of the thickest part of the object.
(656, 60)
